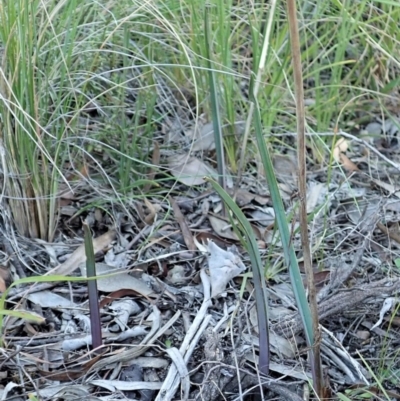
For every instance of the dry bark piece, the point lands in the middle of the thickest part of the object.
(344, 300)
(213, 354)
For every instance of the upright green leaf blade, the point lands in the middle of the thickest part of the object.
(258, 275)
(216, 119)
(95, 324)
(290, 255)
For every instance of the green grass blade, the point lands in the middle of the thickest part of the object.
(218, 138)
(290, 255)
(41, 279)
(258, 274)
(95, 324)
(22, 315)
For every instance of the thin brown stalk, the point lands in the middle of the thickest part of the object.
(302, 182)
(393, 235)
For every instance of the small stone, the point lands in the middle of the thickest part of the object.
(363, 334)
(374, 128)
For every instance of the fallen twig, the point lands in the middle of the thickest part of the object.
(132, 353)
(191, 339)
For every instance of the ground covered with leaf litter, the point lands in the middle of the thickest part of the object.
(179, 319)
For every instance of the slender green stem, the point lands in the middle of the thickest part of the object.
(216, 119)
(95, 323)
(245, 232)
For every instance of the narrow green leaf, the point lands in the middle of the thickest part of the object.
(95, 324)
(342, 397)
(22, 315)
(43, 279)
(388, 2)
(290, 255)
(258, 274)
(216, 119)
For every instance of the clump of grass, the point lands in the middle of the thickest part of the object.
(71, 93)
(350, 60)
(26, 91)
(40, 103)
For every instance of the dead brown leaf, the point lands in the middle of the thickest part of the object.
(79, 256)
(63, 376)
(66, 193)
(285, 167)
(204, 237)
(202, 136)
(189, 170)
(348, 164)
(222, 228)
(115, 282)
(4, 277)
(244, 197)
(320, 278)
(153, 209)
(187, 234)
(339, 155)
(117, 295)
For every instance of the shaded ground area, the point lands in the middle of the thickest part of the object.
(165, 338)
